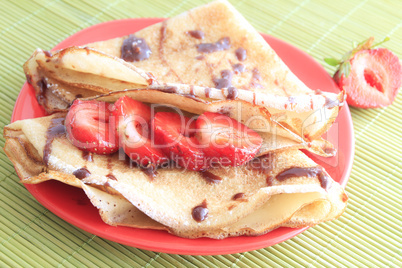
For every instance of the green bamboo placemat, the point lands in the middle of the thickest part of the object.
(369, 234)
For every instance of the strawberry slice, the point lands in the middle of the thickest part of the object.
(370, 77)
(132, 123)
(175, 135)
(225, 140)
(374, 78)
(88, 128)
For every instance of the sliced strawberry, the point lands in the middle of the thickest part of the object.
(374, 79)
(128, 110)
(371, 77)
(225, 140)
(132, 123)
(88, 128)
(175, 135)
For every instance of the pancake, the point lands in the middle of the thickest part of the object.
(176, 53)
(170, 195)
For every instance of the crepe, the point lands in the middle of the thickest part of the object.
(178, 55)
(170, 195)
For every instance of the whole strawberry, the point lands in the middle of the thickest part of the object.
(371, 77)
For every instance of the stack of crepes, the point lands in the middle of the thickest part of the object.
(206, 59)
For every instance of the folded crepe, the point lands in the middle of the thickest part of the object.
(270, 191)
(211, 46)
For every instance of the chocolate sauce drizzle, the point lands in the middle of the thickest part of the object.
(238, 68)
(150, 171)
(329, 150)
(209, 177)
(306, 172)
(29, 78)
(241, 54)
(41, 95)
(232, 93)
(224, 111)
(128, 161)
(88, 50)
(256, 77)
(81, 173)
(225, 81)
(192, 90)
(47, 53)
(239, 197)
(111, 177)
(221, 44)
(135, 49)
(192, 95)
(200, 57)
(109, 164)
(197, 34)
(56, 129)
(87, 156)
(330, 104)
(169, 89)
(269, 180)
(200, 212)
(162, 51)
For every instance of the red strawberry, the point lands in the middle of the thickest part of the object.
(225, 140)
(175, 134)
(88, 128)
(370, 77)
(132, 123)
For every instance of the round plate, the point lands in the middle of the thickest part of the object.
(72, 205)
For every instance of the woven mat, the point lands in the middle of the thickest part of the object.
(369, 234)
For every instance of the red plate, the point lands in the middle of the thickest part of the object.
(72, 205)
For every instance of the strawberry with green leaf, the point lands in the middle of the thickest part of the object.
(370, 76)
